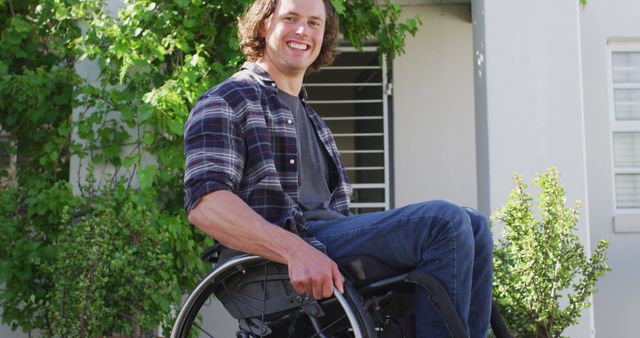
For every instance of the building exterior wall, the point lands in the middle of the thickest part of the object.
(5, 332)
(433, 113)
(617, 302)
(528, 79)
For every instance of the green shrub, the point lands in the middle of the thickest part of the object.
(28, 220)
(119, 265)
(542, 276)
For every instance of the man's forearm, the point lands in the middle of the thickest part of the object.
(228, 219)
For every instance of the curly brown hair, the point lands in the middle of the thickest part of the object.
(252, 44)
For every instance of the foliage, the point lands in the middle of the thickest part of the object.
(36, 95)
(36, 87)
(383, 21)
(147, 63)
(27, 232)
(541, 265)
(118, 266)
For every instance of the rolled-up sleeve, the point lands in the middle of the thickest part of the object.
(213, 150)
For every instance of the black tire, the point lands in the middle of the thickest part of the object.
(345, 314)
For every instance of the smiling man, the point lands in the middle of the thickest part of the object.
(264, 176)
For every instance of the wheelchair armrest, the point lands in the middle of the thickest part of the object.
(363, 269)
(211, 254)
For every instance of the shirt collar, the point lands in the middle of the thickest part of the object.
(263, 76)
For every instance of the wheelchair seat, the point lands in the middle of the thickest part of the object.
(363, 270)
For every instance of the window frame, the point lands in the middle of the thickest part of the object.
(625, 219)
(385, 88)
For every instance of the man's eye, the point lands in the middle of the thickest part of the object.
(289, 19)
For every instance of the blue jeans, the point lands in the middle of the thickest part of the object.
(451, 243)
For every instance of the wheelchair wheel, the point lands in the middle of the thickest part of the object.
(263, 304)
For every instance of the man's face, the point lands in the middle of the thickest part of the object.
(293, 35)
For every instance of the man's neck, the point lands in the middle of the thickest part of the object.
(291, 84)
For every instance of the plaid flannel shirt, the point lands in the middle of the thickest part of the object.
(240, 137)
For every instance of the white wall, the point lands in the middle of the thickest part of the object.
(617, 302)
(5, 332)
(433, 112)
(530, 115)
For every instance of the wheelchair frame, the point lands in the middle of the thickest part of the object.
(358, 317)
(183, 317)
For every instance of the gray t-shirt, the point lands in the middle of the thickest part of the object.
(313, 165)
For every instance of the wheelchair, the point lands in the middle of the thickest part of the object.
(378, 301)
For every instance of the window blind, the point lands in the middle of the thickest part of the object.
(351, 96)
(625, 75)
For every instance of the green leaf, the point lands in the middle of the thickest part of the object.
(145, 111)
(148, 138)
(146, 175)
(190, 23)
(175, 127)
(339, 6)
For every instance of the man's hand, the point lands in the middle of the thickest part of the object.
(314, 273)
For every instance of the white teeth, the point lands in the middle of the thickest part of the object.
(297, 45)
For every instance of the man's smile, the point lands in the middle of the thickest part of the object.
(297, 45)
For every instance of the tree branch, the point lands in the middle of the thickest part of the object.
(13, 13)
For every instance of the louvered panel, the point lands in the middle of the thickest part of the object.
(357, 205)
(350, 67)
(343, 101)
(364, 168)
(626, 149)
(627, 191)
(355, 151)
(351, 97)
(354, 118)
(626, 67)
(358, 134)
(369, 185)
(625, 75)
(345, 84)
(627, 104)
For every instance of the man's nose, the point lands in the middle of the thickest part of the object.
(301, 29)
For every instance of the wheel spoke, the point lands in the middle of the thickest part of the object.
(343, 318)
(329, 326)
(203, 331)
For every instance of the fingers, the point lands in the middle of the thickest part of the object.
(338, 279)
(316, 280)
(302, 285)
(327, 286)
(319, 287)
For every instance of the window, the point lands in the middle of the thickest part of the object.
(351, 95)
(625, 79)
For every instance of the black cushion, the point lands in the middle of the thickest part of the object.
(364, 269)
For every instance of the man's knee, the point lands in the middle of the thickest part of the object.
(455, 222)
(480, 225)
